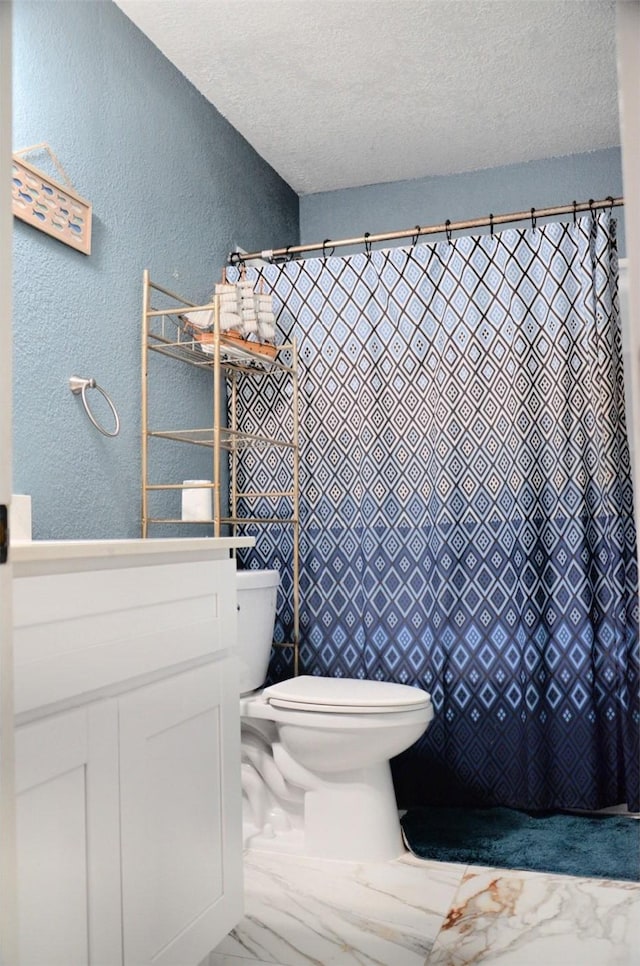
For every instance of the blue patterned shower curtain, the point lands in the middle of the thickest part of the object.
(466, 505)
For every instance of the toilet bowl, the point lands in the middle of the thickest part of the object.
(316, 777)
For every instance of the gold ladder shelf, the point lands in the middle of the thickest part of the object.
(229, 362)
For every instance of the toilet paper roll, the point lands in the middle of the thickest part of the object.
(196, 503)
(20, 524)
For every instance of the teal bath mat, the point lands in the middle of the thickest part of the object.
(602, 846)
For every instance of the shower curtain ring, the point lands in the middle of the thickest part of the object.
(533, 218)
(324, 248)
(447, 228)
(414, 239)
(610, 199)
(575, 208)
(491, 223)
(367, 243)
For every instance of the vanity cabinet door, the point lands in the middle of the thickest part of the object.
(68, 839)
(180, 815)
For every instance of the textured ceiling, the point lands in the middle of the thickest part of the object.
(339, 93)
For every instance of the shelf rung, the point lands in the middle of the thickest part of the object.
(224, 521)
(255, 370)
(242, 437)
(180, 486)
(177, 437)
(256, 494)
(172, 295)
(179, 310)
(183, 353)
(230, 439)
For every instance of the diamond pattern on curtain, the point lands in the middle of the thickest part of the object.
(466, 505)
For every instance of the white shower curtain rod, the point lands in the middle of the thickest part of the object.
(367, 239)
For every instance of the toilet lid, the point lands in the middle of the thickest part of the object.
(345, 695)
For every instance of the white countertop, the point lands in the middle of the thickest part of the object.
(89, 615)
(32, 557)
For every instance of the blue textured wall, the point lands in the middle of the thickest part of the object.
(430, 201)
(174, 187)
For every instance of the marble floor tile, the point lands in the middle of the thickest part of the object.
(310, 911)
(223, 959)
(509, 918)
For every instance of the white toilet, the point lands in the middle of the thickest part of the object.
(316, 778)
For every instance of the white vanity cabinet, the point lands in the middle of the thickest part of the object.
(180, 823)
(68, 838)
(127, 753)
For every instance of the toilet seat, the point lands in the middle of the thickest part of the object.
(344, 696)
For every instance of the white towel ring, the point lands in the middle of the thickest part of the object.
(79, 386)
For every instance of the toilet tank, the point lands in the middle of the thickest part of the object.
(257, 593)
